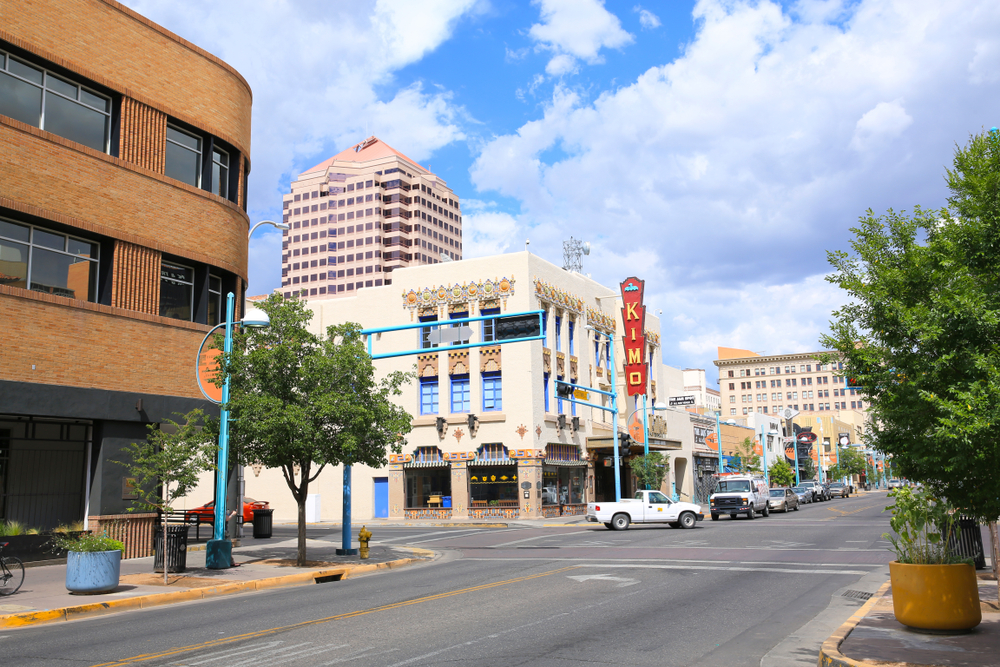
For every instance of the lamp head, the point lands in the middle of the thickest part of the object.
(255, 319)
(282, 225)
(660, 406)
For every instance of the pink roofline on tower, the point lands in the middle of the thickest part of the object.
(372, 149)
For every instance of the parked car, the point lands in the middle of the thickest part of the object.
(739, 494)
(206, 513)
(840, 490)
(804, 493)
(818, 494)
(895, 483)
(783, 499)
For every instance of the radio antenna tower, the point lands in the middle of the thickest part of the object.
(573, 252)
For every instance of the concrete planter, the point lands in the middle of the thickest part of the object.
(93, 571)
(935, 597)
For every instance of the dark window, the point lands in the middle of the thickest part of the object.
(176, 291)
(183, 159)
(43, 261)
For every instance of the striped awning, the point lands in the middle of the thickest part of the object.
(566, 464)
(426, 464)
(493, 462)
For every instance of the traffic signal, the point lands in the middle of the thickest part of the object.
(564, 390)
(516, 327)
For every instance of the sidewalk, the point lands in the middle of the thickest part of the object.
(873, 636)
(43, 597)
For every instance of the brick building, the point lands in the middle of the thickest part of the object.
(123, 164)
(361, 214)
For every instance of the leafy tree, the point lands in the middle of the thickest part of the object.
(650, 469)
(300, 402)
(920, 333)
(167, 463)
(780, 473)
(807, 469)
(747, 460)
(850, 462)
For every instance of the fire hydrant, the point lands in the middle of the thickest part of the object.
(364, 536)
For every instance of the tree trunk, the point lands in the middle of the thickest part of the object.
(300, 559)
(995, 554)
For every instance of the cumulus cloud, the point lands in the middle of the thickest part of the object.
(576, 30)
(319, 75)
(647, 19)
(725, 175)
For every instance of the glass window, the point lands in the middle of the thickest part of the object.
(459, 316)
(545, 390)
(176, 291)
(493, 485)
(489, 326)
(460, 394)
(214, 300)
(220, 173)
(558, 334)
(183, 160)
(559, 401)
(492, 393)
(425, 332)
(43, 261)
(425, 484)
(428, 396)
(571, 326)
(562, 485)
(37, 97)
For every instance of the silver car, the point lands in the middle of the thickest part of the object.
(804, 494)
(783, 499)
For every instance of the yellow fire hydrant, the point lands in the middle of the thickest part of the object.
(364, 535)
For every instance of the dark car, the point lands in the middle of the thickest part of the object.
(840, 490)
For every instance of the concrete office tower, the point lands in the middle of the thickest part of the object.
(362, 214)
(125, 150)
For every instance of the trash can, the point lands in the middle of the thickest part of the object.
(445, 501)
(262, 523)
(969, 541)
(177, 544)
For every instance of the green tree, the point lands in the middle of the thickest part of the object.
(920, 332)
(650, 469)
(807, 469)
(301, 402)
(167, 463)
(850, 462)
(780, 473)
(747, 460)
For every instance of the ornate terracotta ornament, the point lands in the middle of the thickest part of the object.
(521, 430)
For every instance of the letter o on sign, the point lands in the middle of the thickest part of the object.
(635, 377)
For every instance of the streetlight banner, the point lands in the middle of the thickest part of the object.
(634, 320)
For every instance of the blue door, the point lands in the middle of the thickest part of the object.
(381, 497)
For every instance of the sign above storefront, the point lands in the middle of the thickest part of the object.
(634, 339)
(674, 401)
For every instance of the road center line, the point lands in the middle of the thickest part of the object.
(338, 617)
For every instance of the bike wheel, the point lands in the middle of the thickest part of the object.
(11, 574)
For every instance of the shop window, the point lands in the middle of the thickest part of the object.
(427, 487)
(562, 485)
(176, 291)
(460, 394)
(36, 96)
(492, 392)
(44, 261)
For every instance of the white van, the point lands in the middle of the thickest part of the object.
(739, 494)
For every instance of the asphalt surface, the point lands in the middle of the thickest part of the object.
(727, 593)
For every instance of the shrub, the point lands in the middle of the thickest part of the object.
(87, 542)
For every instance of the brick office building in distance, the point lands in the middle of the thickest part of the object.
(124, 152)
(361, 214)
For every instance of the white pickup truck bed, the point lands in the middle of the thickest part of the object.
(646, 507)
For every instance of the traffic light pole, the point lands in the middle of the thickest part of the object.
(614, 416)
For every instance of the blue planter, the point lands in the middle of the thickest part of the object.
(93, 571)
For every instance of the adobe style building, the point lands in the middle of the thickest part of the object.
(488, 420)
(362, 214)
(123, 166)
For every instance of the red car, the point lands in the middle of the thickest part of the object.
(206, 513)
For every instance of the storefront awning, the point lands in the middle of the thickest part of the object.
(492, 462)
(426, 464)
(565, 464)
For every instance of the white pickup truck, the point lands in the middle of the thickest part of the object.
(646, 507)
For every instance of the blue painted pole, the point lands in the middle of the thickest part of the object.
(218, 551)
(718, 434)
(345, 539)
(614, 411)
(763, 452)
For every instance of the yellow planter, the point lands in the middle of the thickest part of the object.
(935, 597)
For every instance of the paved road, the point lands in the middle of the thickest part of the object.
(727, 593)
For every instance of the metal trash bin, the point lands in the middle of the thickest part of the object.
(968, 543)
(262, 523)
(177, 544)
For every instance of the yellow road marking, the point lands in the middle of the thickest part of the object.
(339, 617)
(843, 513)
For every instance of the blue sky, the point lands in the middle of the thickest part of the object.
(718, 149)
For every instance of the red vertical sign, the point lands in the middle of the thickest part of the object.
(634, 320)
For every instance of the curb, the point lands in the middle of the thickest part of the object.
(829, 653)
(27, 618)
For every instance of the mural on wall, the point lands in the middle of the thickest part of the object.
(475, 293)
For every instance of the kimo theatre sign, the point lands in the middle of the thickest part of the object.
(634, 319)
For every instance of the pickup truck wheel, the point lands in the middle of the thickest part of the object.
(608, 525)
(620, 522)
(751, 514)
(715, 516)
(687, 520)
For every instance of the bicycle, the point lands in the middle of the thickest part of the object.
(11, 572)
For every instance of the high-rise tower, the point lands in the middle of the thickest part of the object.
(361, 214)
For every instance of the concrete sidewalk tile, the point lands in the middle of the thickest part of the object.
(829, 653)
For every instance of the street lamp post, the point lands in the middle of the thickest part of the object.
(218, 550)
(645, 431)
(614, 407)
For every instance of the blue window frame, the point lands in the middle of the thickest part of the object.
(489, 326)
(545, 329)
(558, 333)
(459, 316)
(597, 352)
(461, 400)
(425, 332)
(428, 396)
(545, 391)
(571, 325)
(492, 392)
(559, 401)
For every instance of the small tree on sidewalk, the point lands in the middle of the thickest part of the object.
(301, 402)
(166, 465)
(850, 462)
(747, 458)
(780, 473)
(650, 469)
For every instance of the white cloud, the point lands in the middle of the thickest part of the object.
(318, 75)
(647, 19)
(725, 175)
(576, 30)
